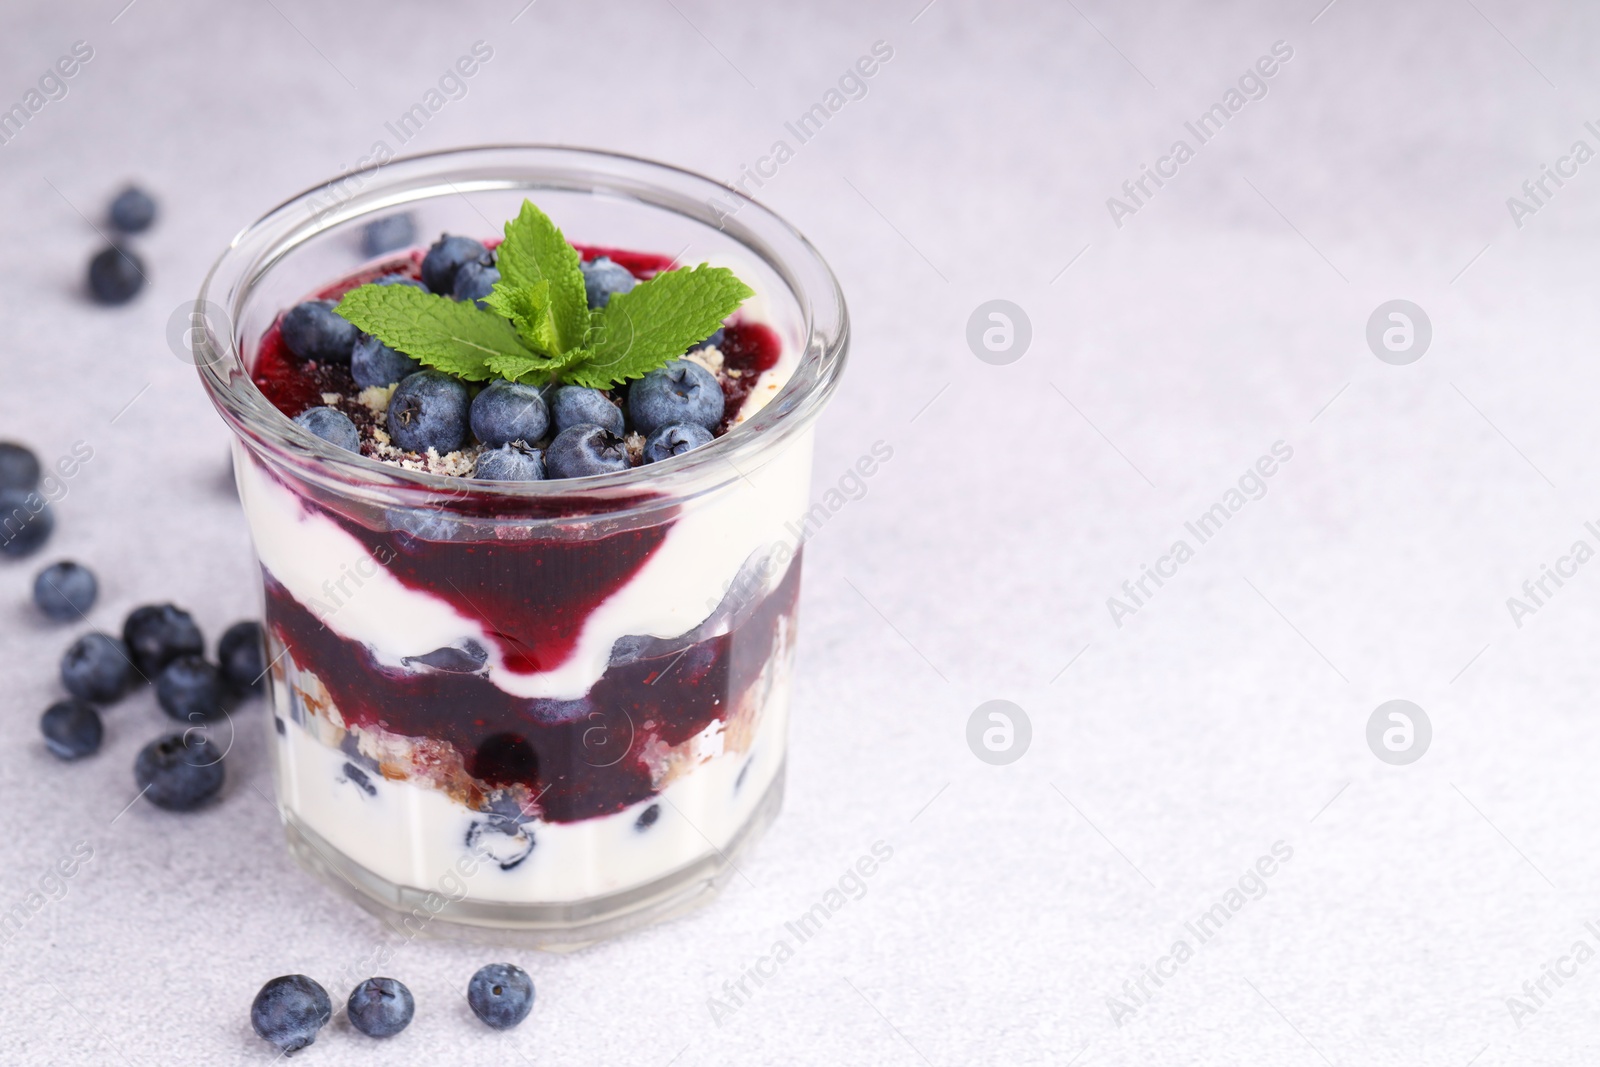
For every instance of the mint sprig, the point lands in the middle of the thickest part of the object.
(536, 326)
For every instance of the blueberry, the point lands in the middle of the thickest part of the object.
(289, 1011)
(647, 818)
(19, 467)
(313, 331)
(573, 405)
(242, 655)
(446, 257)
(191, 689)
(714, 341)
(466, 658)
(414, 525)
(401, 279)
(71, 729)
(179, 772)
(157, 634)
(505, 842)
(516, 462)
(97, 668)
(428, 410)
(681, 391)
(501, 994)
(115, 276)
(332, 425)
(603, 278)
(584, 450)
(506, 412)
(65, 590)
(133, 211)
(473, 282)
(380, 1007)
(675, 440)
(358, 778)
(374, 363)
(387, 234)
(25, 522)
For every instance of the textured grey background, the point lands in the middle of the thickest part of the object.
(1227, 715)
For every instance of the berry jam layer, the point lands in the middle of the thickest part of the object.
(559, 760)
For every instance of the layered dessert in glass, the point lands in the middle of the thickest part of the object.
(553, 707)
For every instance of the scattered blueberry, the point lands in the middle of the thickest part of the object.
(71, 729)
(573, 405)
(446, 257)
(133, 211)
(289, 1011)
(332, 425)
(387, 234)
(191, 689)
(506, 412)
(19, 467)
(501, 994)
(473, 282)
(115, 276)
(714, 341)
(681, 391)
(157, 634)
(374, 363)
(25, 522)
(675, 440)
(603, 278)
(647, 818)
(516, 462)
(428, 410)
(311, 330)
(65, 590)
(180, 772)
(380, 1007)
(585, 450)
(401, 279)
(97, 668)
(242, 655)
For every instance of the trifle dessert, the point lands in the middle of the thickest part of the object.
(529, 508)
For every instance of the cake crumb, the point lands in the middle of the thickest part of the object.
(375, 398)
(331, 399)
(634, 442)
(709, 357)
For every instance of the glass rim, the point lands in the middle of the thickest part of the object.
(217, 347)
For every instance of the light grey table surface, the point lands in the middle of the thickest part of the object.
(1170, 748)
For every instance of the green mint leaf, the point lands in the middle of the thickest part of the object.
(528, 308)
(456, 338)
(656, 322)
(534, 251)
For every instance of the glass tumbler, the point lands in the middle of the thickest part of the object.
(538, 712)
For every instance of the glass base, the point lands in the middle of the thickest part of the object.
(420, 913)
